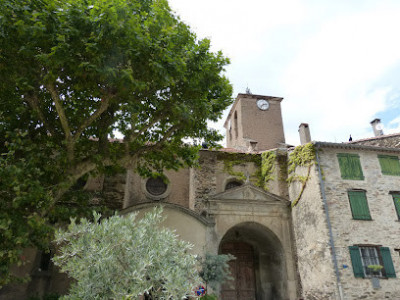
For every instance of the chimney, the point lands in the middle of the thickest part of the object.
(251, 145)
(377, 126)
(304, 132)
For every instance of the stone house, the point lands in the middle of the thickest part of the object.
(304, 223)
(347, 220)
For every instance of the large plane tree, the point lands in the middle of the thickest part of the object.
(74, 72)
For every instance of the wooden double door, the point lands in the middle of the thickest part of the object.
(243, 285)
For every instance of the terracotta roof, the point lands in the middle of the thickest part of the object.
(232, 150)
(385, 136)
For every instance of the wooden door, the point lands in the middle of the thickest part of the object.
(243, 286)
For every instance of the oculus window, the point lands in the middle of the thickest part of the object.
(156, 188)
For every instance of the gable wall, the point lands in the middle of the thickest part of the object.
(314, 261)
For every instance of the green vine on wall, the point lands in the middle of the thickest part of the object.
(268, 160)
(302, 156)
(228, 167)
(234, 159)
(265, 164)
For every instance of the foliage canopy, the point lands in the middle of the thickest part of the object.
(72, 72)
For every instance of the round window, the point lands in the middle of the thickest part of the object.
(156, 186)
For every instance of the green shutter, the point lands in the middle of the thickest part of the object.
(396, 200)
(390, 165)
(387, 262)
(356, 262)
(350, 166)
(359, 205)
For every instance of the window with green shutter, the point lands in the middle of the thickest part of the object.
(356, 262)
(390, 165)
(387, 262)
(350, 166)
(396, 200)
(359, 205)
(364, 257)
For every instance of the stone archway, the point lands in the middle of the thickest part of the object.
(260, 269)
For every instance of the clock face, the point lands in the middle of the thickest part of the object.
(262, 104)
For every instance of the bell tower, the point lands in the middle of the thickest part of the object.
(255, 123)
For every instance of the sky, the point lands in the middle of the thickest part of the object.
(335, 63)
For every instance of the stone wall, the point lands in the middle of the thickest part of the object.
(278, 184)
(383, 229)
(204, 180)
(314, 260)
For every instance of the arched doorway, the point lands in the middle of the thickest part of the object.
(259, 270)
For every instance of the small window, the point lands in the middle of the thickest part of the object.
(371, 261)
(390, 165)
(350, 166)
(232, 184)
(235, 119)
(396, 201)
(359, 205)
(156, 186)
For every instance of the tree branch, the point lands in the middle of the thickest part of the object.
(60, 110)
(63, 120)
(103, 107)
(158, 144)
(134, 135)
(33, 102)
(86, 166)
(79, 170)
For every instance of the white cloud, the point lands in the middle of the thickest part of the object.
(332, 79)
(328, 59)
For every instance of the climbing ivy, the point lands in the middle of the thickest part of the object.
(265, 164)
(228, 167)
(268, 160)
(234, 159)
(302, 156)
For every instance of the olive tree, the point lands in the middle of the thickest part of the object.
(123, 257)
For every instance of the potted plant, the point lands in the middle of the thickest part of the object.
(375, 275)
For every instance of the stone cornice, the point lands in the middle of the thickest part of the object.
(185, 210)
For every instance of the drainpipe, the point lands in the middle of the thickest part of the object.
(328, 221)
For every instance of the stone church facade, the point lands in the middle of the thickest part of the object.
(314, 237)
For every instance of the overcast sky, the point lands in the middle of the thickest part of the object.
(335, 63)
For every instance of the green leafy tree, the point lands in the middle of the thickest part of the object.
(215, 270)
(73, 72)
(122, 258)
